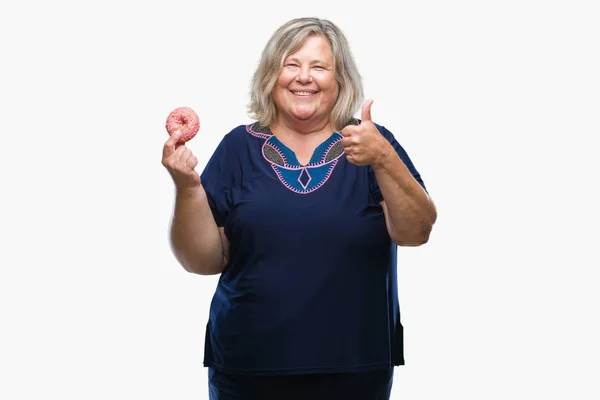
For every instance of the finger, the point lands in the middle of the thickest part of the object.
(346, 142)
(191, 162)
(182, 154)
(347, 131)
(177, 159)
(366, 111)
(170, 145)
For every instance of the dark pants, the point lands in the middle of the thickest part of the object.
(375, 385)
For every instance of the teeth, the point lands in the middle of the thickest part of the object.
(303, 93)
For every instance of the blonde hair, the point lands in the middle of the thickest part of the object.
(288, 39)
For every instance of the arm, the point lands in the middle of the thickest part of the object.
(409, 211)
(196, 241)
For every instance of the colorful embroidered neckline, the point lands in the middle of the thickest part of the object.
(296, 177)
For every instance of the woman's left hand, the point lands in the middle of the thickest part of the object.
(363, 144)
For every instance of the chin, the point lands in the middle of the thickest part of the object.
(304, 113)
(303, 117)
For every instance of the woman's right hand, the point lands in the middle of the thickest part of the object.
(181, 163)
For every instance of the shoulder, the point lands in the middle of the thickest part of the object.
(235, 143)
(241, 133)
(236, 133)
(229, 148)
(234, 138)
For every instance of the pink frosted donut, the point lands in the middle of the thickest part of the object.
(185, 120)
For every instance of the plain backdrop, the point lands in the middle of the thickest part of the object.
(496, 102)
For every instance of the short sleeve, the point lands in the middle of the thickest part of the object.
(373, 185)
(216, 183)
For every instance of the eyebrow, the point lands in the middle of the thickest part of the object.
(312, 62)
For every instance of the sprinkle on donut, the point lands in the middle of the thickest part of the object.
(185, 120)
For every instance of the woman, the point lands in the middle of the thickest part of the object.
(301, 212)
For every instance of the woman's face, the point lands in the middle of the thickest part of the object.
(306, 89)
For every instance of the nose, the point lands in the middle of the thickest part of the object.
(304, 75)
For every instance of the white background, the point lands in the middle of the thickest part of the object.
(496, 102)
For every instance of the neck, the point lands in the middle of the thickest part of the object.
(301, 128)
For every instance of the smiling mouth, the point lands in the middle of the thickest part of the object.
(304, 94)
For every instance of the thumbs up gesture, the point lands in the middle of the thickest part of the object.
(363, 144)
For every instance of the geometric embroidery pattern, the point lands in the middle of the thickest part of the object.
(301, 179)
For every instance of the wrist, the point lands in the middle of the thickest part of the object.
(384, 158)
(189, 191)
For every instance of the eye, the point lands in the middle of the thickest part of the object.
(319, 67)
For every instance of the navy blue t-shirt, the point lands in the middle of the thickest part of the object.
(311, 280)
